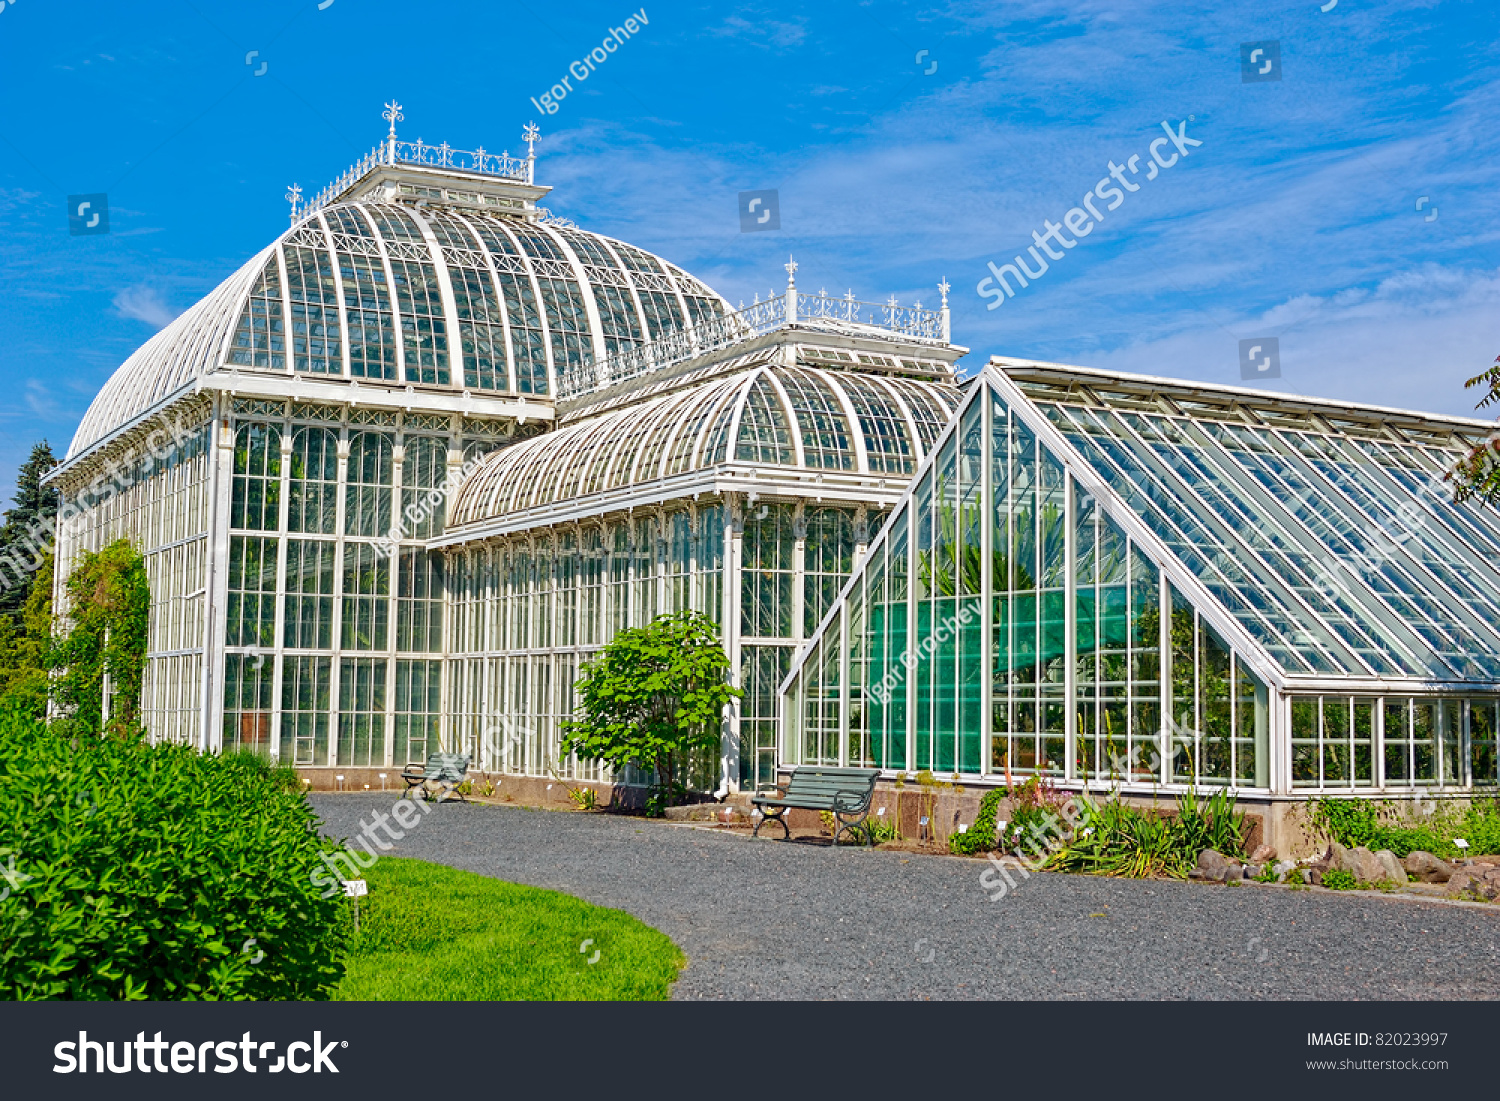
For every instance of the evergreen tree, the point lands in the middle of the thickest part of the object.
(26, 647)
(28, 532)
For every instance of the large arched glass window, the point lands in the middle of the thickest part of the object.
(763, 436)
(368, 510)
(256, 498)
(313, 494)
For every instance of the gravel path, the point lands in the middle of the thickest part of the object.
(766, 918)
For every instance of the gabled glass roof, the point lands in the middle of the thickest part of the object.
(1326, 530)
(799, 417)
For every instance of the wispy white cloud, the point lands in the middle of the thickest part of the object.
(143, 303)
(759, 29)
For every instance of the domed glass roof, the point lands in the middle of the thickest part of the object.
(797, 417)
(400, 295)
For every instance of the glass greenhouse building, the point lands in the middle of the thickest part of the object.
(1141, 584)
(432, 447)
(399, 475)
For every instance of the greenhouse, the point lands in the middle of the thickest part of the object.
(1139, 584)
(402, 472)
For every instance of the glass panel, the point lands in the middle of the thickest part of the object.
(250, 616)
(1305, 741)
(1398, 770)
(366, 610)
(362, 712)
(305, 706)
(1482, 729)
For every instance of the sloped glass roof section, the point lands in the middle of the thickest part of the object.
(1333, 539)
(798, 417)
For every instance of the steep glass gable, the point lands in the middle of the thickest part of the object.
(1006, 623)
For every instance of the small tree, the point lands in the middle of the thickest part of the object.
(654, 697)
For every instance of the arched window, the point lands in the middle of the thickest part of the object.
(256, 498)
(312, 504)
(368, 509)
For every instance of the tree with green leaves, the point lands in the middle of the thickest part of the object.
(25, 649)
(654, 697)
(108, 612)
(27, 533)
(1477, 474)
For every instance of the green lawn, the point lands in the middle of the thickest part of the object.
(431, 933)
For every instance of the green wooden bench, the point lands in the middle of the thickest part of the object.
(846, 792)
(444, 770)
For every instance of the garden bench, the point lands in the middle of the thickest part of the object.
(844, 792)
(446, 770)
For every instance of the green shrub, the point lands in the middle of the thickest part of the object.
(980, 837)
(1337, 879)
(141, 871)
(1114, 839)
(1034, 806)
(1354, 822)
(874, 830)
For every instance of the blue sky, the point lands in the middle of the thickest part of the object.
(1296, 218)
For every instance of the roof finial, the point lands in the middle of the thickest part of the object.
(294, 196)
(531, 132)
(943, 289)
(393, 115)
(791, 271)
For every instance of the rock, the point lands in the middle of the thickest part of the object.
(1479, 882)
(1263, 854)
(1211, 866)
(1393, 871)
(1428, 868)
(1253, 871)
(1366, 868)
(1283, 869)
(692, 812)
(1234, 871)
(1337, 857)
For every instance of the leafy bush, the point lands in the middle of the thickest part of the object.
(1337, 879)
(1033, 806)
(873, 831)
(1114, 839)
(1354, 822)
(138, 871)
(980, 837)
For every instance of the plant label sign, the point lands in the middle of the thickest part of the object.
(962, 828)
(922, 821)
(354, 888)
(880, 813)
